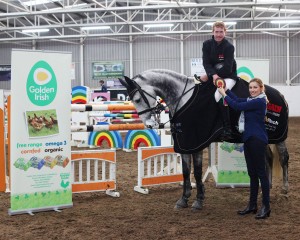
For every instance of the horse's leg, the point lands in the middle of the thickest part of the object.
(284, 162)
(269, 164)
(197, 161)
(186, 171)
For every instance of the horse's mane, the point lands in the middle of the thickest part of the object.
(160, 74)
(167, 84)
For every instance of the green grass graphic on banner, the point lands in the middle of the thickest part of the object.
(41, 199)
(233, 177)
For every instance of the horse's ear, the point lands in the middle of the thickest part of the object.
(128, 83)
(128, 80)
(123, 82)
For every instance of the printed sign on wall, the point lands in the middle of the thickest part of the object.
(40, 131)
(107, 70)
(5, 72)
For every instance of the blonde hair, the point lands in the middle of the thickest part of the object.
(259, 82)
(219, 24)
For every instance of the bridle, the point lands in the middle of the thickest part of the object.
(155, 111)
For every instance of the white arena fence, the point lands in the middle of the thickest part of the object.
(94, 171)
(157, 165)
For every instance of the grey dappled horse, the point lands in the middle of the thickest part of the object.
(176, 89)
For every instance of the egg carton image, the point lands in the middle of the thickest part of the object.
(37, 162)
(50, 161)
(62, 161)
(227, 147)
(22, 163)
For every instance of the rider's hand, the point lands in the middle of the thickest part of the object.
(204, 78)
(215, 77)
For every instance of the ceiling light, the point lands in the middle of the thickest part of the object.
(159, 25)
(175, 2)
(285, 21)
(35, 30)
(38, 2)
(160, 1)
(96, 28)
(226, 23)
(281, 10)
(65, 7)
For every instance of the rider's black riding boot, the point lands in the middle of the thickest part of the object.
(227, 132)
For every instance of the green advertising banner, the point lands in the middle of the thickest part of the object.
(40, 132)
(107, 70)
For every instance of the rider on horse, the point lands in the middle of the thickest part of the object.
(219, 62)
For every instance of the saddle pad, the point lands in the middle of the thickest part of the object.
(197, 123)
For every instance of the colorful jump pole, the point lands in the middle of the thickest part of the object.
(111, 102)
(117, 115)
(125, 112)
(112, 127)
(122, 120)
(100, 107)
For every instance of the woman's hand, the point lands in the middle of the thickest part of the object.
(222, 91)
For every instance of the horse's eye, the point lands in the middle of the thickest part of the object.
(137, 100)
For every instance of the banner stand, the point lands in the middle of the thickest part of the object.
(31, 212)
(40, 134)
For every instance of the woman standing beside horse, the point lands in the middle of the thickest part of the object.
(255, 138)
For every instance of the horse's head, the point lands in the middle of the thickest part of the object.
(144, 99)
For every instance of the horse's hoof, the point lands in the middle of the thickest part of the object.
(181, 203)
(180, 206)
(197, 205)
(177, 207)
(284, 191)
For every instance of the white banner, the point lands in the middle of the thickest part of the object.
(2, 100)
(197, 67)
(246, 68)
(40, 131)
(251, 68)
(232, 169)
(2, 144)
